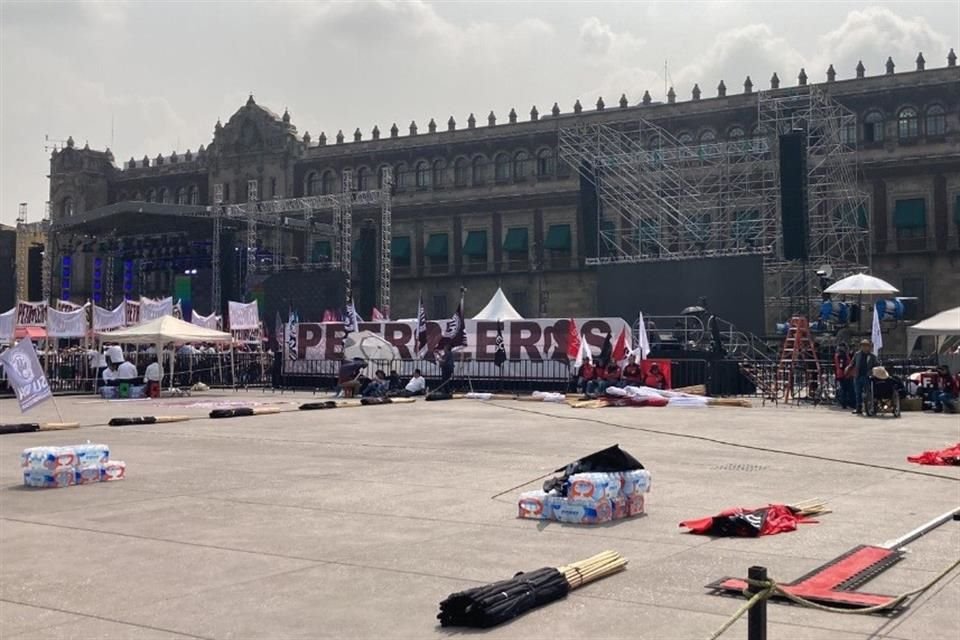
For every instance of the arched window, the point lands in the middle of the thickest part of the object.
(478, 171)
(400, 176)
(685, 138)
(363, 179)
(501, 167)
(708, 136)
(423, 175)
(439, 168)
(735, 133)
(182, 195)
(313, 184)
(461, 173)
(329, 184)
(908, 123)
(873, 127)
(936, 124)
(520, 161)
(194, 194)
(848, 133)
(151, 195)
(163, 195)
(66, 207)
(545, 164)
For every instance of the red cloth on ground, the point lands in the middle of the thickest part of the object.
(946, 457)
(740, 522)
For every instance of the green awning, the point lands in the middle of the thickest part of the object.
(910, 214)
(400, 249)
(321, 251)
(437, 246)
(516, 240)
(558, 237)
(476, 244)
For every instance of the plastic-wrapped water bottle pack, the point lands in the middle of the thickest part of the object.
(52, 467)
(590, 498)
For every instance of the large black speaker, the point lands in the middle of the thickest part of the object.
(366, 259)
(35, 272)
(793, 196)
(589, 213)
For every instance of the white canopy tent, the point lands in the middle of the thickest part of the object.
(499, 308)
(166, 330)
(946, 323)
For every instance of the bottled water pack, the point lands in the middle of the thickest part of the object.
(591, 498)
(50, 467)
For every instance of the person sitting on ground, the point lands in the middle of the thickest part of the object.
(632, 373)
(394, 380)
(945, 397)
(348, 378)
(417, 385)
(655, 377)
(611, 375)
(586, 375)
(377, 387)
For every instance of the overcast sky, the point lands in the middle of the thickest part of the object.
(163, 72)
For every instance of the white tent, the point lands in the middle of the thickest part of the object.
(861, 284)
(166, 330)
(499, 308)
(945, 323)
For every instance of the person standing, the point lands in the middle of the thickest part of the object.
(860, 367)
(841, 360)
(152, 377)
(446, 366)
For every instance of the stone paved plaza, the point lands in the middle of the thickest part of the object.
(355, 523)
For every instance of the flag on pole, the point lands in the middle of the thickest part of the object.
(500, 355)
(26, 375)
(352, 319)
(606, 350)
(876, 336)
(583, 354)
(573, 340)
(421, 333)
(643, 341)
(455, 329)
(376, 316)
(620, 349)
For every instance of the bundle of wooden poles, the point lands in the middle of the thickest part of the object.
(593, 568)
(811, 507)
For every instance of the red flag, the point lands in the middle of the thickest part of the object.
(620, 350)
(376, 316)
(573, 340)
(328, 316)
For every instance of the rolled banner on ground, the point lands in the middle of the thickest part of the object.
(366, 402)
(25, 427)
(439, 395)
(316, 406)
(123, 422)
(241, 412)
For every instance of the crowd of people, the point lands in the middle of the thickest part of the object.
(352, 382)
(594, 379)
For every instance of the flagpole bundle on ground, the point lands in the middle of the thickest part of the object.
(492, 604)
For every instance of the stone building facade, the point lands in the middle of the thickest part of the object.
(488, 202)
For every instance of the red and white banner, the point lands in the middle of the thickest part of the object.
(243, 315)
(67, 324)
(106, 319)
(153, 309)
(31, 314)
(537, 340)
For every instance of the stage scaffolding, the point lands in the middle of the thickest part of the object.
(663, 199)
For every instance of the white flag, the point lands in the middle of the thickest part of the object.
(876, 336)
(643, 341)
(26, 375)
(583, 354)
(7, 326)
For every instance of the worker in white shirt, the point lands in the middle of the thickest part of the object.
(152, 377)
(416, 386)
(126, 372)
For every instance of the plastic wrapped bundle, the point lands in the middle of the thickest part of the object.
(533, 505)
(636, 482)
(113, 470)
(594, 486)
(584, 511)
(48, 458)
(55, 467)
(62, 477)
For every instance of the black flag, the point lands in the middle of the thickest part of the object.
(500, 356)
(605, 351)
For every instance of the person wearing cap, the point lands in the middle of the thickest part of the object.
(861, 365)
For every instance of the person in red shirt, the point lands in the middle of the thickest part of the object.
(585, 376)
(611, 376)
(655, 377)
(632, 373)
(841, 361)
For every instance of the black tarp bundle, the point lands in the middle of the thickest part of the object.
(609, 460)
(498, 602)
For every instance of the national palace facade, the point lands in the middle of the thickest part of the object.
(487, 201)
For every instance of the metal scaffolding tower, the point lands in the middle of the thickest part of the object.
(386, 242)
(217, 213)
(663, 199)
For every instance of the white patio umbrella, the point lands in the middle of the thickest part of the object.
(369, 346)
(861, 284)
(946, 323)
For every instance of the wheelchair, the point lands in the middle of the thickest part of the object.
(882, 396)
